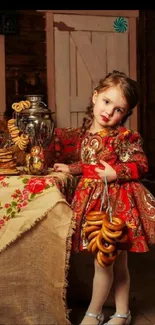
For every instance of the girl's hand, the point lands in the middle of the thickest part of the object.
(58, 167)
(108, 171)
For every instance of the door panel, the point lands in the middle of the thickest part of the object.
(62, 78)
(117, 52)
(86, 49)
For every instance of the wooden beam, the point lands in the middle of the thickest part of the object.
(50, 61)
(2, 78)
(112, 13)
(133, 65)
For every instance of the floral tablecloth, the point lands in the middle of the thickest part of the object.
(36, 226)
(25, 199)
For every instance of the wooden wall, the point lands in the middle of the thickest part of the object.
(147, 85)
(25, 55)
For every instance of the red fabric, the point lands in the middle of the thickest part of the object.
(63, 147)
(131, 166)
(89, 171)
(129, 199)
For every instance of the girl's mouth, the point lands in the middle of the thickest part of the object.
(105, 119)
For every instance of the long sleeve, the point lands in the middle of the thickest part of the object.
(75, 168)
(132, 162)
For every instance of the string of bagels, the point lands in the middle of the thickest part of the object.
(103, 231)
(20, 139)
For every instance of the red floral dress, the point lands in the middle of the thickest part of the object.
(129, 199)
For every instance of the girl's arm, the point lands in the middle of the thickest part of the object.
(74, 168)
(132, 162)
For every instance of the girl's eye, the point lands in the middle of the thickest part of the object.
(119, 110)
(106, 101)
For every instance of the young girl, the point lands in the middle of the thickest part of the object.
(108, 149)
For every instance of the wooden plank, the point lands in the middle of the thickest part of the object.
(133, 66)
(80, 87)
(62, 78)
(99, 43)
(82, 23)
(128, 123)
(2, 78)
(115, 13)
(73, 69)
(79, 100)
(88, 54)
(84, 82)
(80, 118)
(50, 62)
(74, 120)
(117, 52)
(118, 55)
(78, 103)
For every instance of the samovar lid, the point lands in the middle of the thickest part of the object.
(36, 111)
(38, 107)
(34, 97)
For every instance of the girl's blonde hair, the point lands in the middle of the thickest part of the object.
(130, 91)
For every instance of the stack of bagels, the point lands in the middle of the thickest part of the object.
(21, 140)
(103, 235)
(11, 156)
(7, 162)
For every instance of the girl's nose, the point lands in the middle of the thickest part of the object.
(110, 110)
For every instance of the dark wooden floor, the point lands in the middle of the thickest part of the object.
(142, 292)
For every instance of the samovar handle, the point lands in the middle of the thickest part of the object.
(42, 103)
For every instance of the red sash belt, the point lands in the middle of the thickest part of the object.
(89, 171)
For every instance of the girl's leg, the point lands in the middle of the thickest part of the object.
(102, 282)
(122, 287)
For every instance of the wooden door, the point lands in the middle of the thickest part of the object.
(86, 47)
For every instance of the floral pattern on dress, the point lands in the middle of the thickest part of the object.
(63, 147)
(129, 199)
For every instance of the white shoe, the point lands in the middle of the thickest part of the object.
(125, 316)
(99, 317)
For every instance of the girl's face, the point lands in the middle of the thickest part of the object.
(109, 107)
